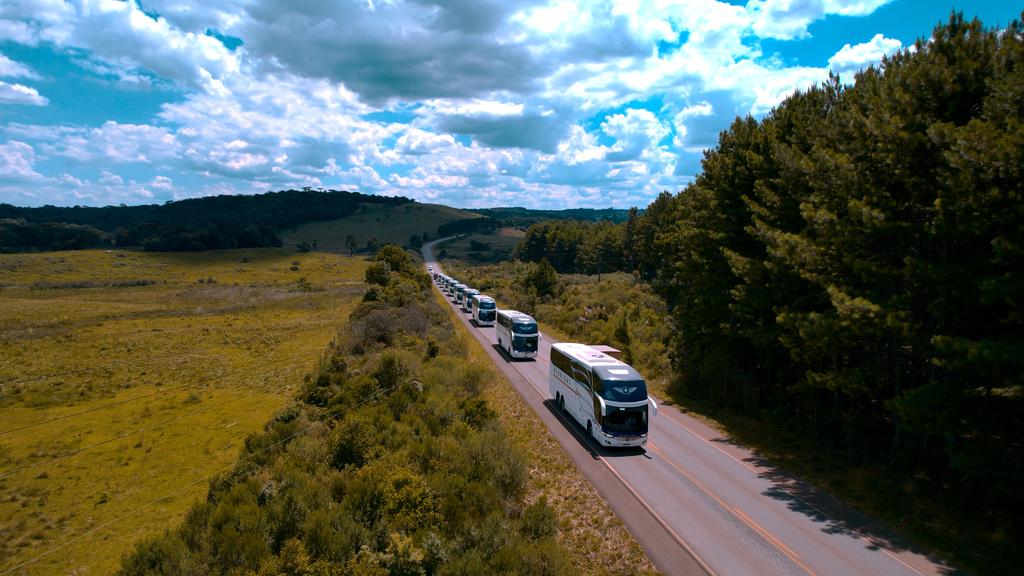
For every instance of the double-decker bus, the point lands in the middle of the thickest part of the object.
(457, 291)
(605, 395)
(517, 333)
(467, 297)
(483, 310)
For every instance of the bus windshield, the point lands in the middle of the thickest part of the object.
(624, 390)
(524, 327)
(487, 305)
(626, 419)
(524, 343)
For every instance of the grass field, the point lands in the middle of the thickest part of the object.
(501, 244)
(389, 224)
(127, 379)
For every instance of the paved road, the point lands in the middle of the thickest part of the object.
(698, 503)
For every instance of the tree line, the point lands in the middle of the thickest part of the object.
(281, 210)
(852, 265)
(215, 222)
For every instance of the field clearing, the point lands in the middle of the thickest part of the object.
(389, 224)
(501, 244)
(156, 366)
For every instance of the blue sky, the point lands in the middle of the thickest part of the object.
(469, 103)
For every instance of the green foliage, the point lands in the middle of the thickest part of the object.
(282, 209)
(378, 274)
(395, 257)
(351, 245)
(851, 265)
(373, 246)
(543, 279)
(390, 463)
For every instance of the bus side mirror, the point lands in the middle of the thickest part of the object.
(654, 406)
(604, 407)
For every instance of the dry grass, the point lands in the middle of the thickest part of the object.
(197, 360)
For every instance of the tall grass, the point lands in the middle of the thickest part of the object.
(198, 350)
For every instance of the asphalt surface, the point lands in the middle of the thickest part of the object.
(699, 503)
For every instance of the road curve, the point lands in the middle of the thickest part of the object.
(699, 503)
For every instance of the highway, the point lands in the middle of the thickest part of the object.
(699, 503)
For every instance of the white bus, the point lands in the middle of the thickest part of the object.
(605, 395)
(483, 310)
(467, 297)
(517, 333)
(457, 291)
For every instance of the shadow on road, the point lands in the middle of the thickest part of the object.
(585, 441)
(834, 516)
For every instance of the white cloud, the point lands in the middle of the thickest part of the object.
(16, 162)
(18, 94)
(849, 60)
(510, 101)
(162, 183)
(118, 143)
(637, 135)
(789, 19)
(109, 178)
(12, 69)
(418, 142)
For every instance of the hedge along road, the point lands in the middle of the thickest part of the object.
(699, 503)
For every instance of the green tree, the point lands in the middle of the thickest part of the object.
(351, 245)
(543, 278)
(395, 257)
(373, 246)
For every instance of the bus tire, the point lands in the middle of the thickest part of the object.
(590, 429)
(561, 403)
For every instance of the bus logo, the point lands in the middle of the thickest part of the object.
(625, 390)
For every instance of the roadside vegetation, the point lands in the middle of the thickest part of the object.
(393, 460)
(156, 366)
(844, 283)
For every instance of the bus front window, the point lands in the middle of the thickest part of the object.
(524, 327)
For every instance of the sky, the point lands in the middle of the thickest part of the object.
(545, 104)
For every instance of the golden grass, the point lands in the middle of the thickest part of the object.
(390, 225)
(190, 365)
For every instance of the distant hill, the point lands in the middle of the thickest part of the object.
(389, 224)
(274, 209)
(615, 215)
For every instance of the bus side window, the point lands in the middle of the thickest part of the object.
(582, 376)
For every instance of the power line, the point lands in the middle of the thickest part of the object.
(203, 479)
(179, 353)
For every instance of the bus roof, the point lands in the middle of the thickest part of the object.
(609, 368)
(517, 316)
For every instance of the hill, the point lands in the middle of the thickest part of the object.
(590, 214)
(389, 224)
(275, 209)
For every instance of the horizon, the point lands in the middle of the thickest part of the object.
(536, 104)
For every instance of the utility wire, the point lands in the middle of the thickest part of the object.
(179, 353)
(203, 479)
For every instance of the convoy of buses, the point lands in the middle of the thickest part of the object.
(604, 394)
